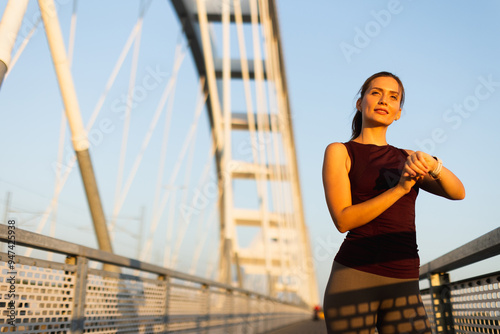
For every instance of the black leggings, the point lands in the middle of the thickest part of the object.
(358, 302)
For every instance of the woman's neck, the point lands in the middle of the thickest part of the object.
(374, 136)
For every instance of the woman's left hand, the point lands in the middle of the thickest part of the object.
(419, 164)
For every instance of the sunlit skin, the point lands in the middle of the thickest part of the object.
(380, 107)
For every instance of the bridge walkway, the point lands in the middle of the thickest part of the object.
(303, 327)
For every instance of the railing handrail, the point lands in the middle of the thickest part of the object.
(46, 243)
(481, 248)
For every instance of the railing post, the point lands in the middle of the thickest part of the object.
(78, 318)
(265, 313)
(247, 323)
(229, 310)
(166, 315)
(206, 291)
(262, 310)
(441, 303)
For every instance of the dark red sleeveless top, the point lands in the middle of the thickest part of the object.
(387, 245)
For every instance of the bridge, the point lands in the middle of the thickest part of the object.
(229, 253)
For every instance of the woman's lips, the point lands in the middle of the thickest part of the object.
(381, 111)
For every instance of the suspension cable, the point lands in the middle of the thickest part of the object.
(168, 89)
(156, 218)
(126, 124)
(210, 222)
(22, 46)
(181, 232)
(200, 230)
(164, 146)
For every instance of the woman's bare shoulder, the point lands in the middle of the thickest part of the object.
(336, 148)
(337, 153)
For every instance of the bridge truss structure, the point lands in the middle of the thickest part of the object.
(284, 244)
(237, 57)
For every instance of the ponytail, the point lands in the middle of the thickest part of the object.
(357, 122)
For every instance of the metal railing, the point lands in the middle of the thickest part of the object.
(40, 296)
(467, 306)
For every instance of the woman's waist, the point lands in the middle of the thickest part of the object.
(394, 243)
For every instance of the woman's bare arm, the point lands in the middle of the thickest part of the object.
(448, 185)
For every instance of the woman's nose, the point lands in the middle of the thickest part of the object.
(383, 99)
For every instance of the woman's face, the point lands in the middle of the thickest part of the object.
(381, 103)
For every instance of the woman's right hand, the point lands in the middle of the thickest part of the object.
(409, 178)
(406, 182)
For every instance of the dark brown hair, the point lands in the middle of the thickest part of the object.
(358, 119)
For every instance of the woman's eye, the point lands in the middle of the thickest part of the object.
(394, 97)
(375, 93)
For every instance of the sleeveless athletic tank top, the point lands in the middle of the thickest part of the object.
(387, 245)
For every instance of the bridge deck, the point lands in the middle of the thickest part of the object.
(307, 326)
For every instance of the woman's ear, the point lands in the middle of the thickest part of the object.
(358, 104)
(398, 116)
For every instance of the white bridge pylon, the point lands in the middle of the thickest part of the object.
(235, 47)
(280, 254)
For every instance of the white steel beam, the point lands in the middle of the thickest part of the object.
(261, 108)
(248, 170)
(72, 109)
(9, 28)
(240, 121)
(236, 69)
(309, 292)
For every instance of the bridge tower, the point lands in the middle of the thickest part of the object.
(278, 259)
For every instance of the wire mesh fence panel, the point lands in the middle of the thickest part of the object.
(427, 301)
(38, 295)
(187, 307)
(124, 304)
(71, 297)
(476, 305)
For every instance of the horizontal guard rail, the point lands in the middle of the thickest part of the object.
(482, 248)
(467, 306)
(71, 297)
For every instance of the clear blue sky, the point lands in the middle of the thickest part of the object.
(445, 52)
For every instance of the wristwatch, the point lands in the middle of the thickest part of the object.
(435, 173)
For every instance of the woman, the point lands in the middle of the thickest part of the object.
(370, 189)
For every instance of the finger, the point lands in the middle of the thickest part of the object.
(431, 162)
(411, 172)
(417, 165)
(423, 158)
(419, 159)
(415, 168)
